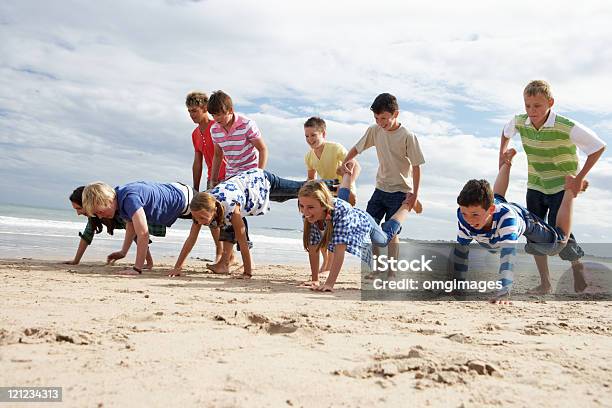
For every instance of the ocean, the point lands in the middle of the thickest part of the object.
(43, 233)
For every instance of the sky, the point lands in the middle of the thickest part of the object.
(95, 90)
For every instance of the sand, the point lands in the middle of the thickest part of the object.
(206, 340)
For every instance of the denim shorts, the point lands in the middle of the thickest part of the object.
(383, 204)
(546, 206)
(544, 239)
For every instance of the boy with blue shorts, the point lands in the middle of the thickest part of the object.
(399, 158)
(551, 142)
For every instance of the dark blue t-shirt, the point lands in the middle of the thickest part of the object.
(162, 203)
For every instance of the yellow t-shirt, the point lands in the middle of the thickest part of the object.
(397, 152)
(332, 156)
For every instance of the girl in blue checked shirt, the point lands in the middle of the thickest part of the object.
(332, 222)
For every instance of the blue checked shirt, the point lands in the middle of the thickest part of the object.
(351, 226)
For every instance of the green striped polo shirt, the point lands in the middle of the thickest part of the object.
(551, 153)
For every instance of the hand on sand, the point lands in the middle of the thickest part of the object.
(500, 301)
(540, 290)
(112, 258)
(174, 272)
(128, 272)
(501, 297)
(576, 185)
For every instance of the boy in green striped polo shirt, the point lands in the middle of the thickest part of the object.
(551, 142)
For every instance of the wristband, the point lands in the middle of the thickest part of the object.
(137, 269)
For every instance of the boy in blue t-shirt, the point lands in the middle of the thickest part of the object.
(485, 216)
(138, 203)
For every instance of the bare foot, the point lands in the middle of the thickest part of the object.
(243, 276)
(579, 282)
(540, 290)
(148, 266)
(323, 288)
(585, 185)
(309, 284)
(418, 207)
(219, 268)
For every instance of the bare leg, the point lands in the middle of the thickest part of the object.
(544, 287)
(564, 216)
(580, 283)
(215, 232)
(503, 177)
(393, 252)
(148, 260)
(564, 223)
(326, 260)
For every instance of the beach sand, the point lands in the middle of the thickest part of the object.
(206, 340)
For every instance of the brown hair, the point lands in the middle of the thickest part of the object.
(220, 102)
(208, 202)
(319, 191)
(196, 98)
(315, 122)
(476, 192)
(538, 87)
(385, 102)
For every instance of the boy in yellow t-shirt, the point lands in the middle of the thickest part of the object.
(323, 160)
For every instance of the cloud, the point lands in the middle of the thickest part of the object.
(96, 90)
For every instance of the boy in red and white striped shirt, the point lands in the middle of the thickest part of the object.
(236, 138)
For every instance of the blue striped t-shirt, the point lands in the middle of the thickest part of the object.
(509, 223)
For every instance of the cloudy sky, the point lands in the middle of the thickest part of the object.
(95, 90)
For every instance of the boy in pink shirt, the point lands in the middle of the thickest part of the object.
(236, 139)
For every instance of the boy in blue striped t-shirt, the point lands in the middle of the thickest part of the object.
(485, 216)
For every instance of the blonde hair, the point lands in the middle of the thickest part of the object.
(196, 98)
(208, 202)
(538, 87)
(319, 191)
(97, 195)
